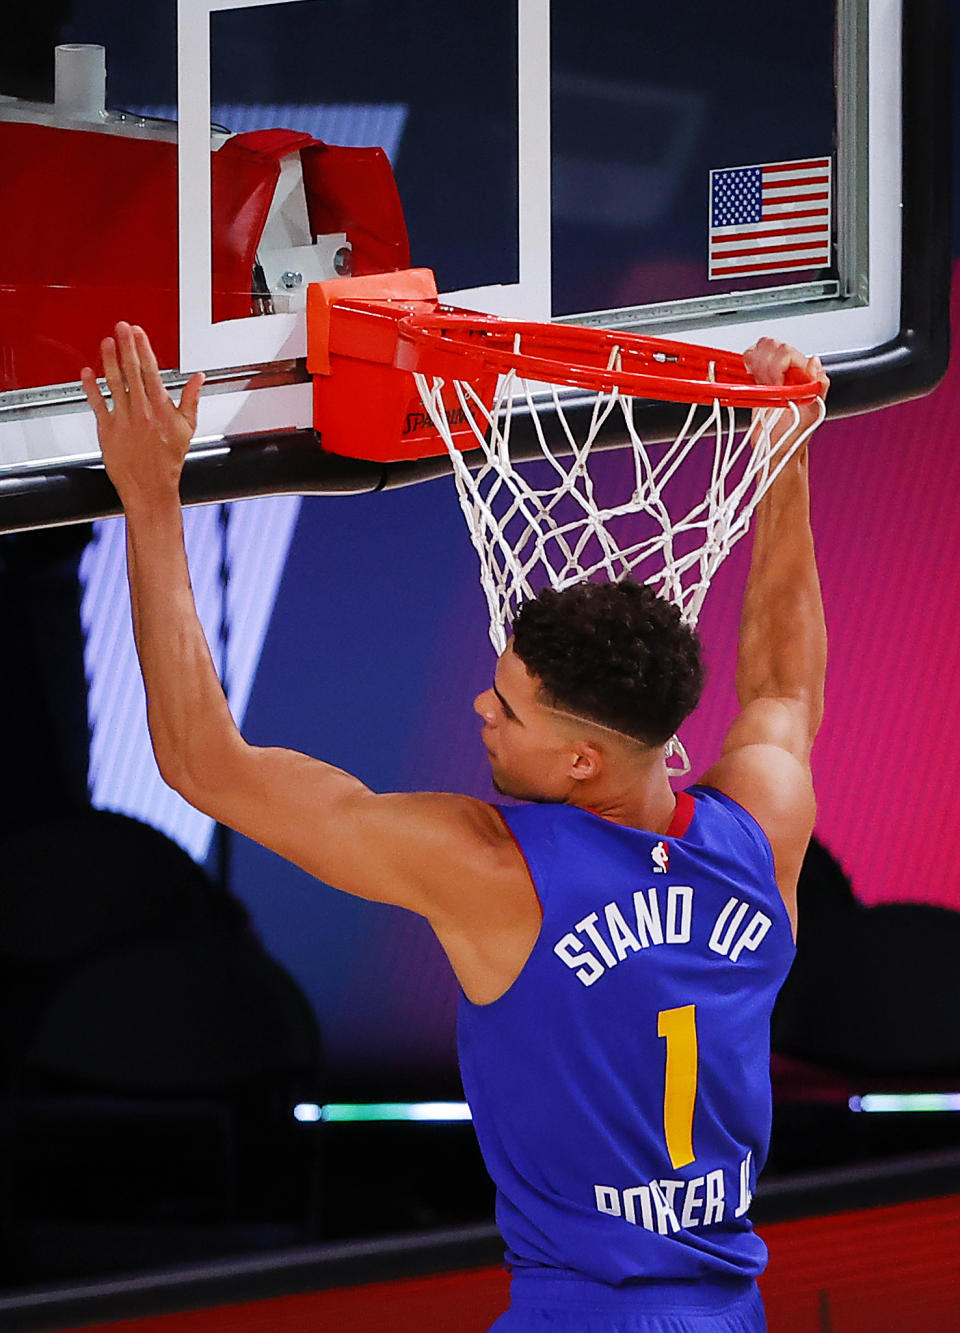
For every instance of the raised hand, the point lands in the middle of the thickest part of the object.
(769, 362)
(145, 436)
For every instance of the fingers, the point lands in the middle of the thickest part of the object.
(94, 397)
(143, 437)
(770, 361)
(132, 369)
(152, 384)
(190, 397)
(111, 372)
(815, 371)
(133, 378)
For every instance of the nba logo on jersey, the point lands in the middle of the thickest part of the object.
(661, 858)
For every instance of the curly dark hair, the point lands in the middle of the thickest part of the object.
(615, 653)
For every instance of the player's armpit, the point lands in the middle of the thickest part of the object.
(415, 850)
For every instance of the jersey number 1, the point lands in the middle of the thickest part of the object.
(679, 1027)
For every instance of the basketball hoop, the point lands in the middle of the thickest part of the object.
(556, 529)
(555, 522)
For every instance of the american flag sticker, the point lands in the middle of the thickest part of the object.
(770, 218)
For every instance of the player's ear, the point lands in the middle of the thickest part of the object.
(585, 762)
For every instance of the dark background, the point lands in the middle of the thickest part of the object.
(375, 648)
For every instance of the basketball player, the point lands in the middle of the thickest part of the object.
(618, 947)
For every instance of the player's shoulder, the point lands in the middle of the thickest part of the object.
(720, 820)
(452, 813)
(775, 788)
(542, 821)
(558, 824)
(433, 834)
(767, 780)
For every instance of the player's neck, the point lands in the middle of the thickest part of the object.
(640, 798)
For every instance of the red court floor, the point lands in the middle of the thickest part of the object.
(880, 1270)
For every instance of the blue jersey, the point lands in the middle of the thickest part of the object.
(620, 1089)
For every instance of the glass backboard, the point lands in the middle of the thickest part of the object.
(694, 173)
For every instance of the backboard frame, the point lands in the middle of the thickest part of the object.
(247, 448)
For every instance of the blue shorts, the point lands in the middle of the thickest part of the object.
(575, 1305)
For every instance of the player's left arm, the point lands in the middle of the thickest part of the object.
(415, 850)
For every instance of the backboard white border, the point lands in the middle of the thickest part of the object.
(234, 342)
(529, 297)
(205, 345)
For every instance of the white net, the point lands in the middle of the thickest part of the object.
(554, 522)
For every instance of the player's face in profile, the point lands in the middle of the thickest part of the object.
(528, 753)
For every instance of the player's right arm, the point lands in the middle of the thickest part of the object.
(782, 655)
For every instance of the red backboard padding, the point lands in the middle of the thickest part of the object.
(89, 235)
(353, 190)
(879, 1270)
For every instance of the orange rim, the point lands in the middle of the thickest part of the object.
(578, 357)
